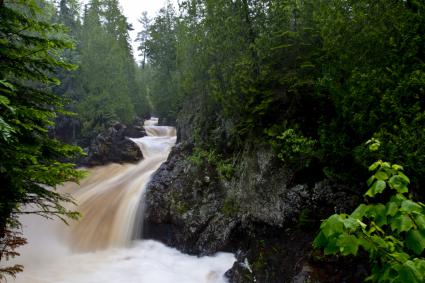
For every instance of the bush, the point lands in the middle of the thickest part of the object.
(393, 234)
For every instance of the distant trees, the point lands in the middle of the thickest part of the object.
(106, 87)
(161, 50)
(107, 70)
(143, 37)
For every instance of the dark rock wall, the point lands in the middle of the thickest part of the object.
(259, 213)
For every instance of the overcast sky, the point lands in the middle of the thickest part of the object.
(133, 10)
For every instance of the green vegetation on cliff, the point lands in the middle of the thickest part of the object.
(316, 79)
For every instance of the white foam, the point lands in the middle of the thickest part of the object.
(144, 262)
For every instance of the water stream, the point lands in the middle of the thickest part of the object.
(100, 248)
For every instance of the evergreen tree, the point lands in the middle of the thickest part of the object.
(29, 159)
(143, 37)
(161, 51)
(320, 78)
(107, 72)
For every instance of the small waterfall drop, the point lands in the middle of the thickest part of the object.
(100, 248)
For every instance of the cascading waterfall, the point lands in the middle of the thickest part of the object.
(100, 248)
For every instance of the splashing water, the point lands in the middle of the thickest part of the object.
(99, 247)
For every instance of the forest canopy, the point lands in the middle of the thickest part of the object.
(315, 79)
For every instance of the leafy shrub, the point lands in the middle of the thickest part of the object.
(292, 147)
(393, 234)
(224, 167)
(199, 155)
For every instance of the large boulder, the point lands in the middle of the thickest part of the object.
(115, 146)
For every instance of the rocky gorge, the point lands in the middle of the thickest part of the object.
(257, 212)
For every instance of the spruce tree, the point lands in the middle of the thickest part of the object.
(30, 160)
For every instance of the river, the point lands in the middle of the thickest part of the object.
(104, 246)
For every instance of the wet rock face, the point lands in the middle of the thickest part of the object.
(263, 213)
(114, 145)
(259, 214)
(183, 204)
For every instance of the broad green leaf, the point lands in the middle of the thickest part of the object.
(415, 240)
(399, 183)
(402, 223)
(410, 206)
(377, 188)
(331, 247)
(410, 273)
(366, 244)
(320, 240)
(404, 177)
(398, 198)
(381, 175)
(392, 208)
(397, 167)
(377, 212)
(400, 256)
(348, 244)
(333, 225)
(370, 180)
(360, 211)
(386, 165)
(374, 147)
(351, 223)
(374, 166)
(419, 221)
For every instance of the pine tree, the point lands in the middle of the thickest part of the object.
(143, 37)
(30, 166)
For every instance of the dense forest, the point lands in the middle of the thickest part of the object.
(330, 86)
(316, 79)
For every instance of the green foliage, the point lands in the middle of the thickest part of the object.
(107, 88)
(224, 167)
(107, 70)
(30, 160)
(160, 48)
(321, 76)
(292, 147)
(393, 234)
(199, 156)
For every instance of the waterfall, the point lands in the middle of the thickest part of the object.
(109, 198)
(101, 246)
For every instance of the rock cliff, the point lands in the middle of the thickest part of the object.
(259, 212)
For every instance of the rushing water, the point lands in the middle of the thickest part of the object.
(99, 247)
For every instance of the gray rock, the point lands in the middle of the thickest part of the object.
(115, 146)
